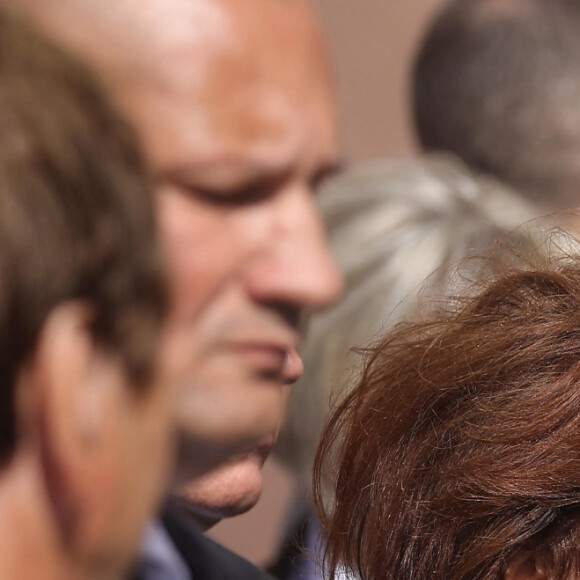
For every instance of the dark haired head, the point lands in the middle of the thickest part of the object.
(459, 450)
(496, 83)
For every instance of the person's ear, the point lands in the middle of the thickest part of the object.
(524, 566)
(68, 408)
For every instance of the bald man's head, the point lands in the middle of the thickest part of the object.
(162, 45)
(233, 102)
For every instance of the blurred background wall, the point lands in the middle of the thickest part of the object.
(372, 44)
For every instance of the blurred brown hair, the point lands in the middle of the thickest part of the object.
(76, 220)
(460, 446)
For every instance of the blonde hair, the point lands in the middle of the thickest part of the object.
(391, 226)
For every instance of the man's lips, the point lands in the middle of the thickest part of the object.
(268, 358)
(274, 360)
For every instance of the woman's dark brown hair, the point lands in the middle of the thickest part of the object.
(460, 446)
(76, 216)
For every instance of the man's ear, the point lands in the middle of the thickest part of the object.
(67, 409)
(524, 566)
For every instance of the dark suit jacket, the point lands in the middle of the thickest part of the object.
(206, 559)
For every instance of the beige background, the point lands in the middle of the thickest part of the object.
(372, 43)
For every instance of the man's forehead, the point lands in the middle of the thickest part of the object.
(161, 24)
(258, 90)
(131, 32)
(261, 37)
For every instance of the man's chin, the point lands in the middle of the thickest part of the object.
(226, 491)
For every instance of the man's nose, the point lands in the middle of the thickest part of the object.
(296, 266)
